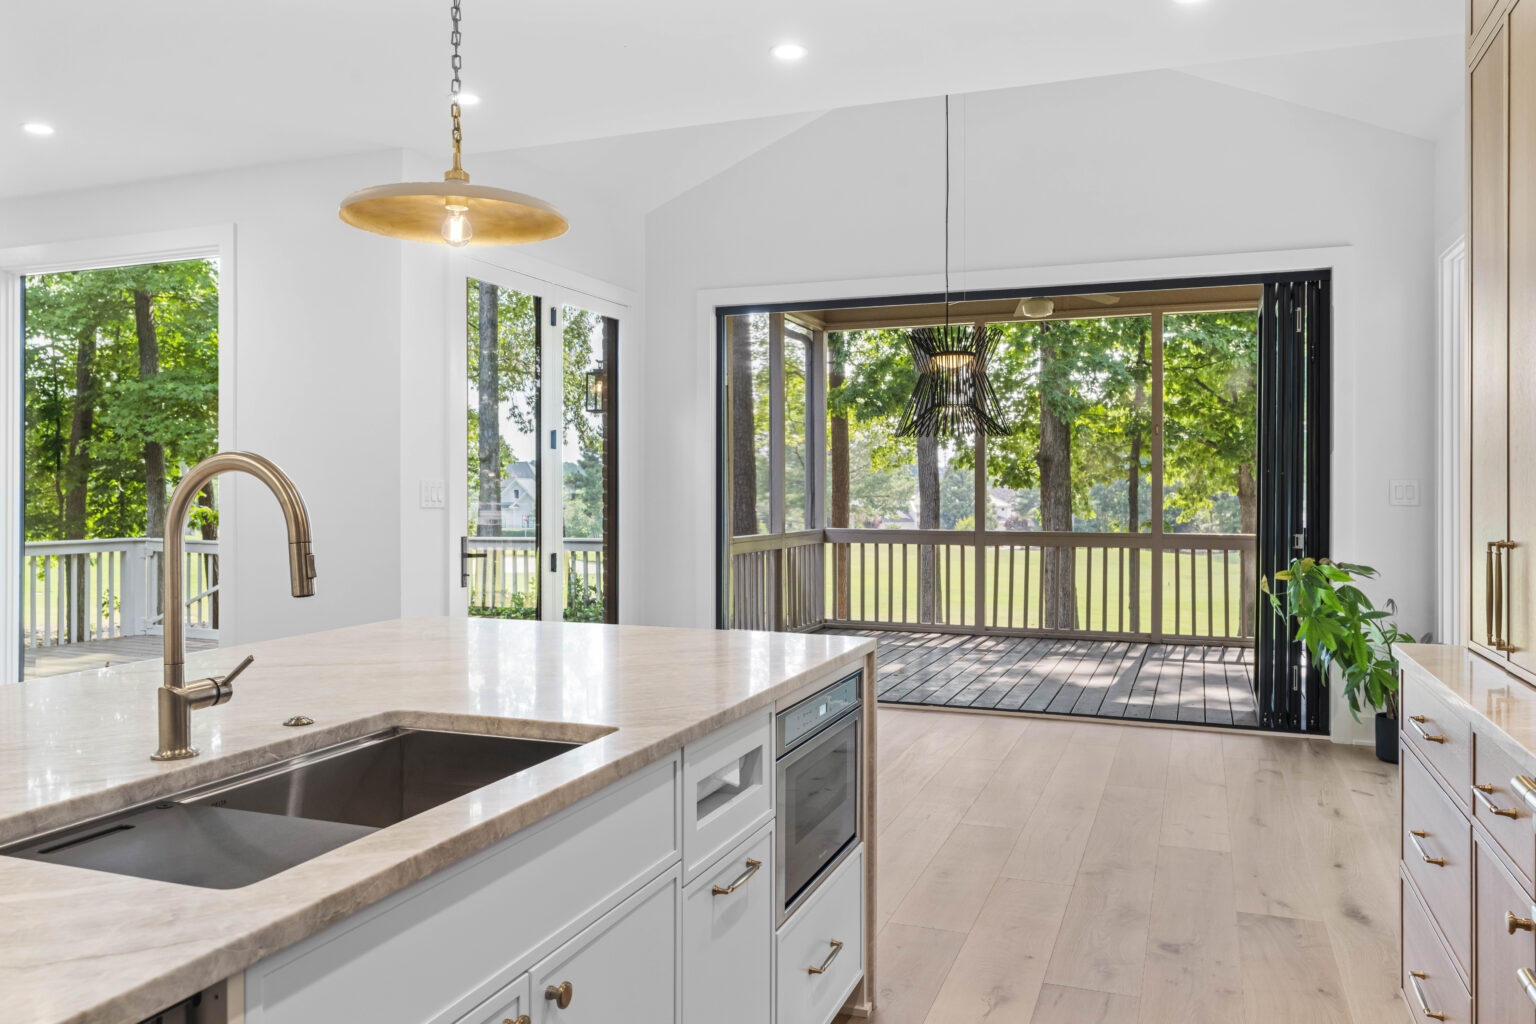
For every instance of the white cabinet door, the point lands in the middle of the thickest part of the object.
(509, 1006)
(620, 970)
(728, 938)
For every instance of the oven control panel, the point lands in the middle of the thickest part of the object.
(806, 717)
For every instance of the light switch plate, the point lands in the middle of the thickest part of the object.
(433, 494)
(1403, 493)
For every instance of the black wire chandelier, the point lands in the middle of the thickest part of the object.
(953, 397)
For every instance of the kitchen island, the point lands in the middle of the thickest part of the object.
(81, 945)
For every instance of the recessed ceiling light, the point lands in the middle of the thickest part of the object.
(788, 51)
(468, 99)
(1187, 2)
(37, 128)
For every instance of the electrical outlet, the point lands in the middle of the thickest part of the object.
(1403, 493)
(433, 494)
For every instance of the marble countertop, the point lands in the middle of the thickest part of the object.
(1504, 706)
(87, 946)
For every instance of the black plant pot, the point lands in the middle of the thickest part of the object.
(1386, 738)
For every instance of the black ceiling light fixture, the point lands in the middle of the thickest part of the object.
(953, 397)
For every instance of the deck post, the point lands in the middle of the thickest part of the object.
(1157, 480)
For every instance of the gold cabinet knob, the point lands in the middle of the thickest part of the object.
(1521, 924)
(560, 994)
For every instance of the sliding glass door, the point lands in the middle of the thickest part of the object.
(541, 403)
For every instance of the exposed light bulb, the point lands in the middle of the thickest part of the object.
(37, 128)
(457, 230)
(788, 51)
(467, 99)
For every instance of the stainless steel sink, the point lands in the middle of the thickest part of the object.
(248, 827)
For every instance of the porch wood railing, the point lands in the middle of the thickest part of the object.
(1181, 588)
(511, 566)
(80, 590)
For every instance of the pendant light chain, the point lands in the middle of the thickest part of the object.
(946, 207)
(456, 62)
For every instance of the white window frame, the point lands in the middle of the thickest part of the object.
(212, 242)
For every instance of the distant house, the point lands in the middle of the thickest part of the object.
(519, 496)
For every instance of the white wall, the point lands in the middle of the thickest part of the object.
(342, 348)
(1136, 167)
(317, 349)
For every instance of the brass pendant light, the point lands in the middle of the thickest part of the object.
(453, 211)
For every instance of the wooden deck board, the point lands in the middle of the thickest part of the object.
(90, 655)
(1091, 678)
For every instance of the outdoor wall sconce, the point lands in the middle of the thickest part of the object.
(597, 389)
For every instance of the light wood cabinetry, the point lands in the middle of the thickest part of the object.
(1505, 943)
(1488, 356)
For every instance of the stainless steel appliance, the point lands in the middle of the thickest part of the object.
(818, 783)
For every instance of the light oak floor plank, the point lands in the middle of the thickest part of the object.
(1236, 880)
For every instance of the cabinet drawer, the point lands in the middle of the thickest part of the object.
(728, 937)
(1430, 983)
(509, 1006)
(820, 955)
(1442, 738)
(1502, 952)
(621, 970)
(1501, 810)
(727, 790)
(1435, 831)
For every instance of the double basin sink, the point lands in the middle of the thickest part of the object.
(239, 830)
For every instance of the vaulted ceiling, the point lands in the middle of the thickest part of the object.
(159, 87)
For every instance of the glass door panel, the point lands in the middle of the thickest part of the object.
(590, 371)
(502, 549)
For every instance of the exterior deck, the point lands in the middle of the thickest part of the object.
(1210, 685)
(57, 659)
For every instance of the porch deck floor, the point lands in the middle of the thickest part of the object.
(93, 654)
(1103, 679)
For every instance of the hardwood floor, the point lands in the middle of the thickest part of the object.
(1052, 871)
(94, 654)
(1160, 682)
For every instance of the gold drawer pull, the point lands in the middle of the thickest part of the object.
(1481, 792)
(1417, 722)
(837, 947)
(1527, 982)
(1525, 788)
(741, 879)
(560, 994)
(1418, 993)
(1518, 924)
(524, 1019)
(1414, 837)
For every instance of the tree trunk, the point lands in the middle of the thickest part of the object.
(154, 451)
(839, 511)
(927, 519)
(77, 475)
(1133, 490)
(488, 381)
(743, 431)
(1248, 517)
(1058, 583)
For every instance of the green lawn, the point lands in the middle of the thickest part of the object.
(1194, 598)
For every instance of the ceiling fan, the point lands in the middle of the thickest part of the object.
(1040, 308)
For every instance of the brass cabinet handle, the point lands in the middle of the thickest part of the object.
(741, 879)
(1500, 643)
(1525, 788)
(524, 1019)
(1418, 993)
(1527, 982)
(1518, 924)
(1414, 837)
(837, 947)
(1488, 593)
(1482, 791)
(560, 994)
(1417, 721)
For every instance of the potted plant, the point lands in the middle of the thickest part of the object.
(1342, 629)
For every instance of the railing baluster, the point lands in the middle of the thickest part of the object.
(1210, 596)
